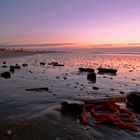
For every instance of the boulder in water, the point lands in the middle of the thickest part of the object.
(12, 70)
(55, 64)
(24, 65)
(107, 70)
(72, 105)
(4, 66)
(86, 70)
(15, 66)
(91, 76)
(4, 62)
(95, 88)
(6, 74)
(42, 63)
(133, 100)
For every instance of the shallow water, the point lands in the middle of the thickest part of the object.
(34, 115)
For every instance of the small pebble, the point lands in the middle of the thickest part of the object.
(121, 92)
(4, 62)
(95, 88)
(77, 83)
(64, 78)
(112, 89)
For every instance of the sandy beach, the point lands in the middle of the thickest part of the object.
(37, 115)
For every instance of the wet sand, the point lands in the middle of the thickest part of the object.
(33, 115)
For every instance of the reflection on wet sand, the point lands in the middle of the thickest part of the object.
(38, 115)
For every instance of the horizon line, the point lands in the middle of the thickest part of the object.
(104, 45)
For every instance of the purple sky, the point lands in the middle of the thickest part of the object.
(76, 21)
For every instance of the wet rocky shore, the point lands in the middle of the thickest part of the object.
(30, 97)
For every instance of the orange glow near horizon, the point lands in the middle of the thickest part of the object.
(119, 34)
(91, 23)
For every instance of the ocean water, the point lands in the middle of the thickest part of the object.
(38, 115)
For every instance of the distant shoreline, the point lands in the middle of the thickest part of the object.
(133, 53)
(20, 52)
(13, 53)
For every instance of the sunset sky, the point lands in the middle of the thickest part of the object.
(87, 22)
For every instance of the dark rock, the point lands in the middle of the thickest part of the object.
(106, 70)
(42, 63)
(65, 78)
(77, 83)
(82, 69)
(95, 88)
(58, 64)
(4, 62)
(133, 100)
(38, 89)
(12, 70)
(6, 74)
(86, 70)
(4, 66)
(24, 65)
(72, 105)
(15, 67)
(121, 92)
(55, 64)
(91, 76)
(30, 71)
(112, 89)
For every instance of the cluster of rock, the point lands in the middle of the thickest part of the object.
(86, 70)
(7, 74)
(107, 70)
(91, 73)
(55, 64)
(51, 63)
